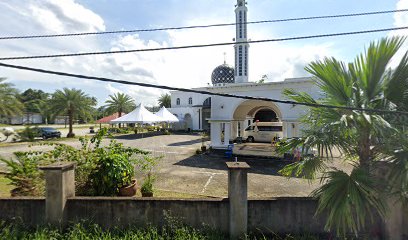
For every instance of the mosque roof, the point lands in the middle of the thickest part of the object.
(223, 74)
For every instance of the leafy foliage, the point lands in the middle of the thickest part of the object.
(74, 103)
(147, 186)
(164, 100)
(31, 98)
(10, 105)
(100, 170)
(28, 134)
(348, 199)
(363, 138)
(24, 174)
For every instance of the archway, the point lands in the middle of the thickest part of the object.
(188, 122)
(266, 115)
(248, 112)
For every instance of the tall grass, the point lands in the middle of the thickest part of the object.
(86, 231)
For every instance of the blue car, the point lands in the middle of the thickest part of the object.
(48, 132)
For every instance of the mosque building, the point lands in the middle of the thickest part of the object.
(226, 118)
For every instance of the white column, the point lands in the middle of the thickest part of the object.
(227, 133)
(289, 130)
(215, 134)
(235, 131)
(285, 129)
(243, 127)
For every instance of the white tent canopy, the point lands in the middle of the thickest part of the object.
(139, 115)
(166, 116)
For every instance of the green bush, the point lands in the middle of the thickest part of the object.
(28, 134)
(93, 163)
(24, 174)
(147, 186)
(113, 171)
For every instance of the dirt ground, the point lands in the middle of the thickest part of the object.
(182, 171)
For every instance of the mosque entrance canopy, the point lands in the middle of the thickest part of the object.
(257, 110)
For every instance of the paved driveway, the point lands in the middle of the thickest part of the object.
(181, 170)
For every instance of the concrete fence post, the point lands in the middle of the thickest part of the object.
(59, 185)
(238, 199)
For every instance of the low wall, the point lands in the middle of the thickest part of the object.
(31, 211)
(283, 215)
(276, 215)
(109, 212)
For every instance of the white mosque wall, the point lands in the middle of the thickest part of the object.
(224, 108)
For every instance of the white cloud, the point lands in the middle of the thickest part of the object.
(400, 20)
(178, 68)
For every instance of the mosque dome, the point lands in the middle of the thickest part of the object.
(222, 74)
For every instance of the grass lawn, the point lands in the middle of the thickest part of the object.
(4, 186)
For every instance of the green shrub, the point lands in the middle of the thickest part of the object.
(24, 174)
(28, 134)
(92, 163)
(147, 186)
(113, 171)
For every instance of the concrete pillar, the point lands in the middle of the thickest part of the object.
(238, 199)
(227, 133)
(59, 186)
(215, 134)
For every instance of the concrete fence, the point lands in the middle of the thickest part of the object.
(235, 215)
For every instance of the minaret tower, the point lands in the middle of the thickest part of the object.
(241, 47)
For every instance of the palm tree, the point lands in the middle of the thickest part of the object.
(120, 103)
(73, 102)
(363, 137)
(164, 100)
(9, 103)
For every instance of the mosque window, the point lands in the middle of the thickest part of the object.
(240, 24)
(190, 100)
(245, 26)
(178, 101)
(246, 61)
(240, 61)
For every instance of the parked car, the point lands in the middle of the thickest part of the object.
(263, 132)
(48, 132)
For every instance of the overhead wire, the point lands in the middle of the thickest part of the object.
(200, 26)
(294, 103)
(201, 45)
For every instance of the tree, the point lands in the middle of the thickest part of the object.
(72, 102)
(31, 98)
(363, 137)
(9, 103)
(165, 100)
(45, 109)
(120, 103)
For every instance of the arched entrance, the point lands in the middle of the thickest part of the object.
(266, 115)
(188, 122)
(251, 111)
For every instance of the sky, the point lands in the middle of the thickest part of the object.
(186, 68)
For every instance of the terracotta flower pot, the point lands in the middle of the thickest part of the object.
(129, 191)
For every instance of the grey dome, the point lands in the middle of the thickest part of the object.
(223, 74)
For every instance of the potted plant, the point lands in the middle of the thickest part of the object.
(147, 186)
(113, 175)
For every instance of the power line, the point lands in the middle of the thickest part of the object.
(200, 26)
(198, 91)
(202, 45)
